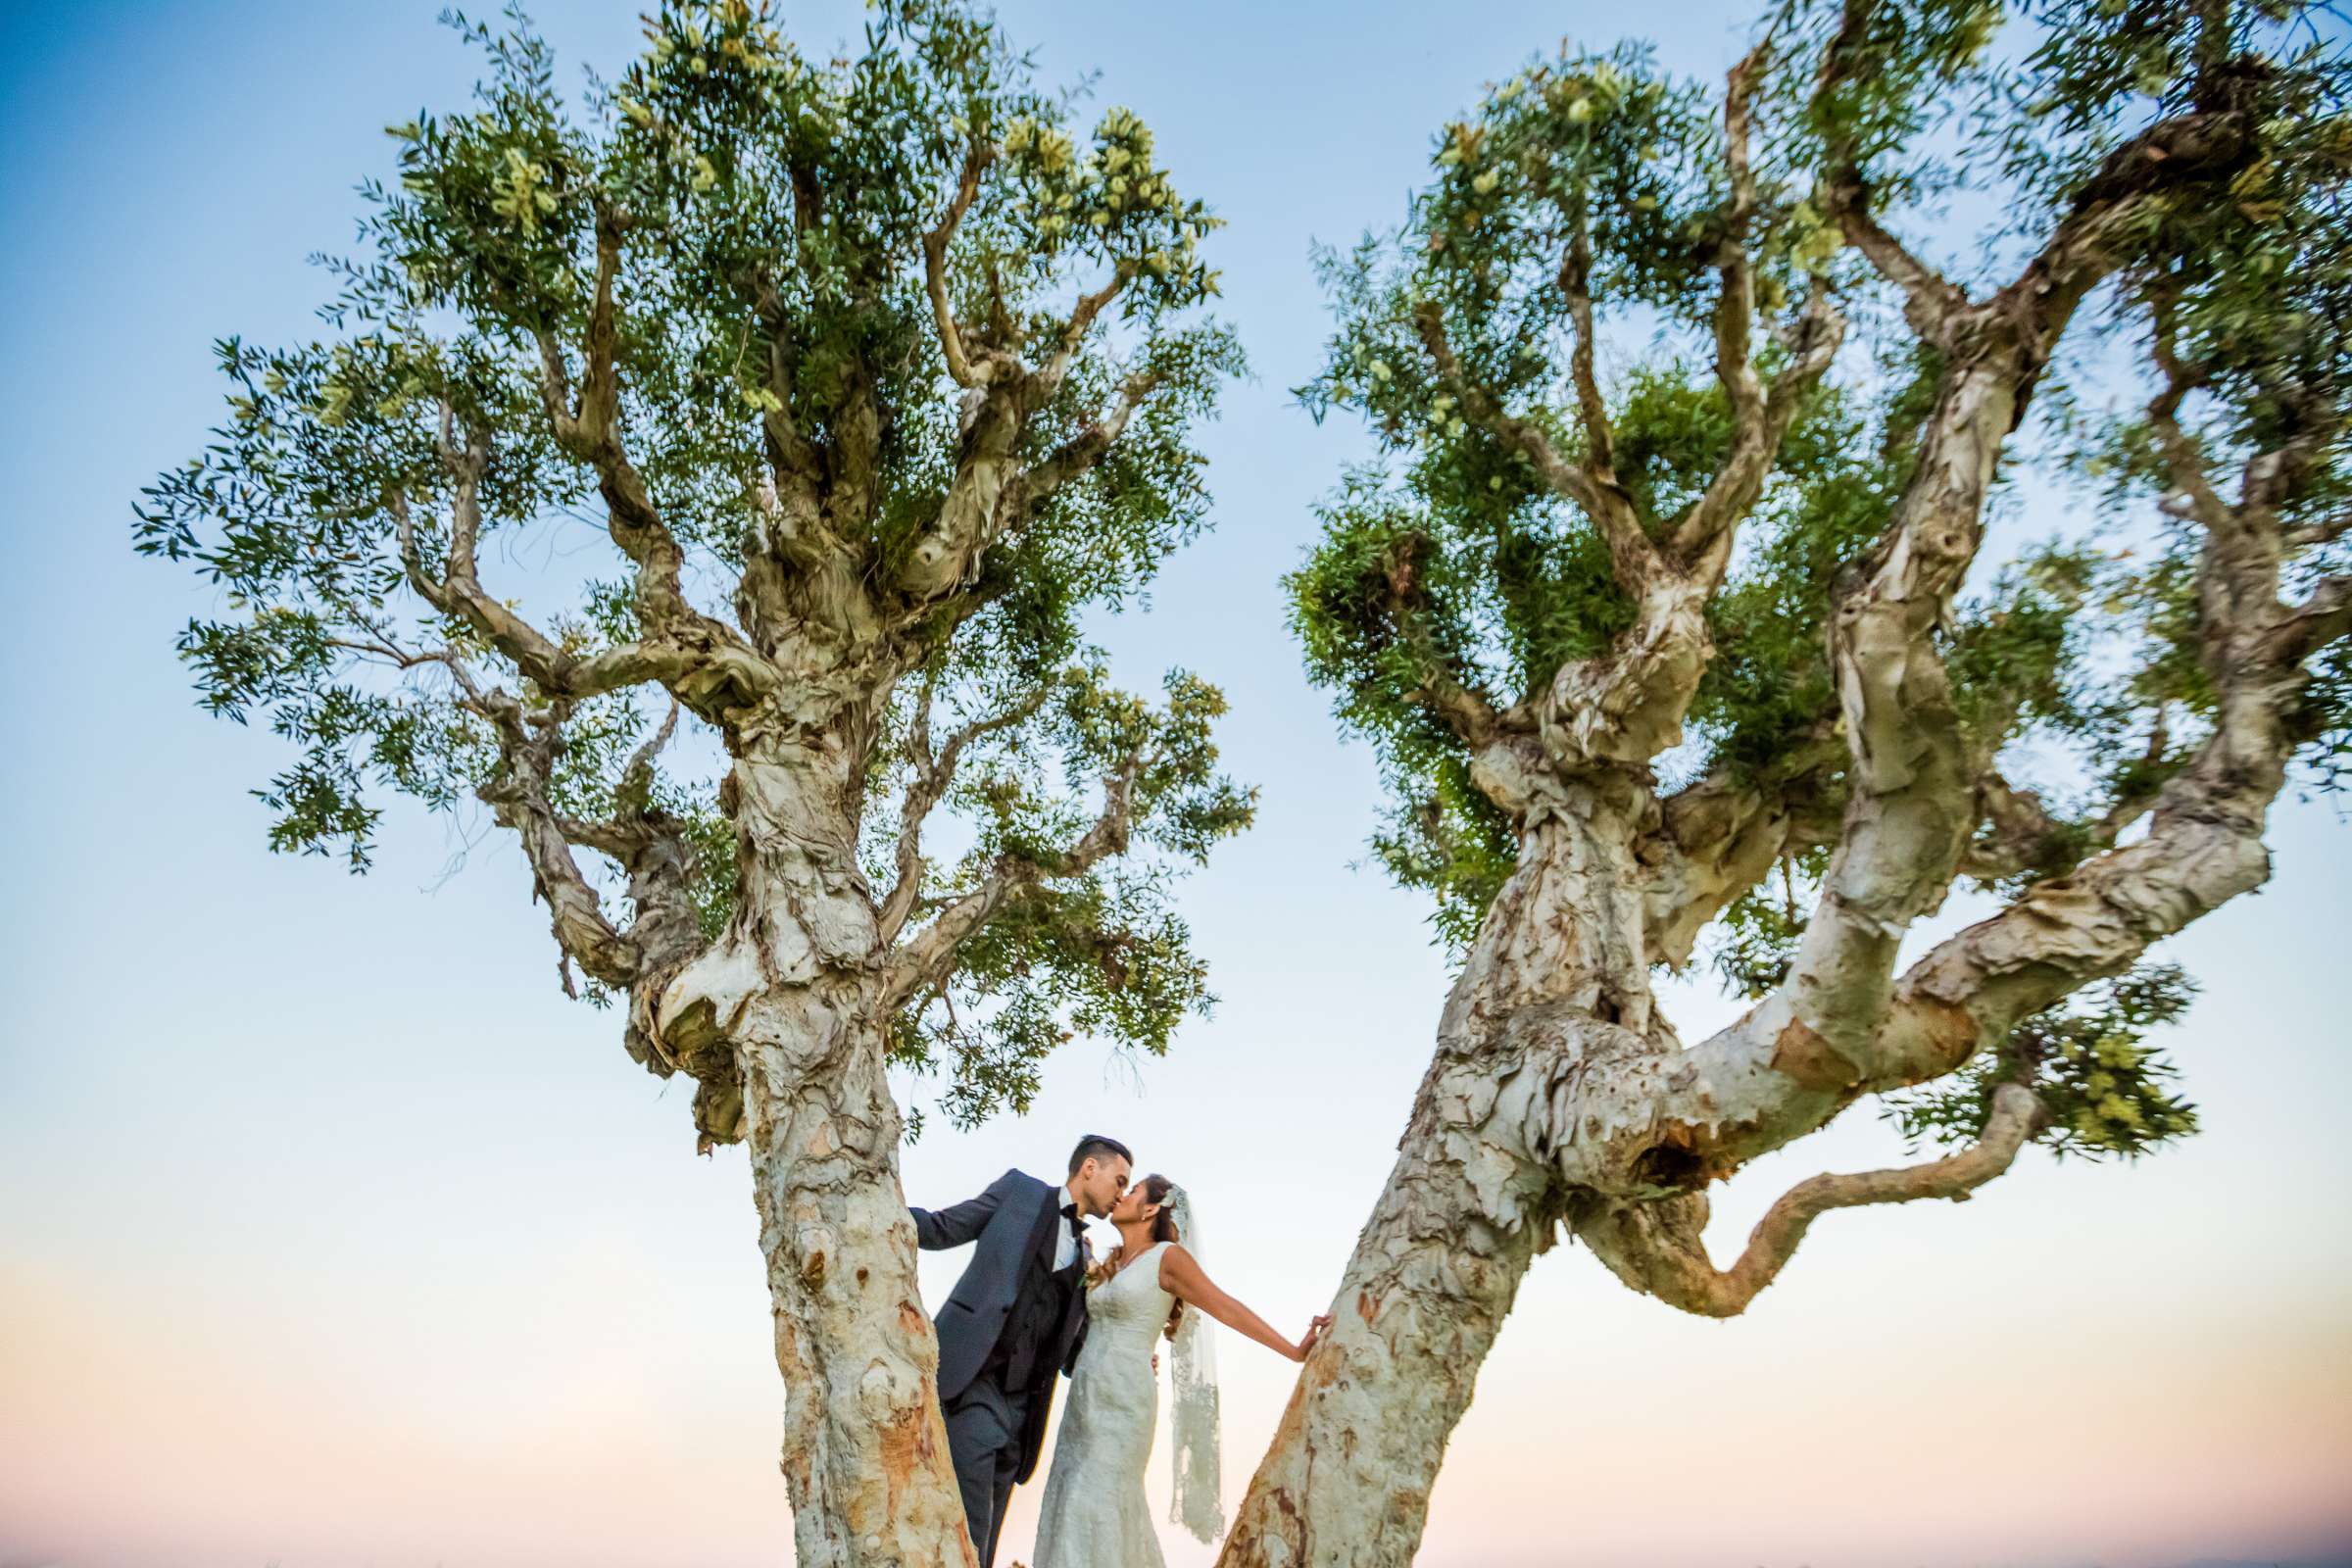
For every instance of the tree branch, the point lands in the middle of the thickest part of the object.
(459, 593)
(2204, 840)
(518, 798)
(1576, 284)
(1701, 538)
(1039, 385)
(2324, 615)
(2325, 531)
(634, 822)
(690, 642)
(929, 957)
(935, 274)
(1842, 1025)
(2184, 463)
(2018, 834)
(1631, 553)
(933, 774)
(1457, 705)
(1933, 304)
(985, 502)
(590, 431)
(794, 505)
(2170, 158)
(1721, 835)
(1035, 486)
(1736, 301)
(1910, 805)
(1665, 1256)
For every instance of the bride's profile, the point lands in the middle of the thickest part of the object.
(1093, 1514)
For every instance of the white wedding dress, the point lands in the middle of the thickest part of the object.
(1095, 1515)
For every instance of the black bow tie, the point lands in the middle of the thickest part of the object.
(1069, 1211)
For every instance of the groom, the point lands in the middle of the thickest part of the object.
(1015, 1320)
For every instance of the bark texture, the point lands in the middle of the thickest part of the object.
(784, 1020)
(1558, 1097)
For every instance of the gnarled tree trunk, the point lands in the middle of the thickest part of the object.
(789, 1006)
(1557, 1096)
(1557, 980)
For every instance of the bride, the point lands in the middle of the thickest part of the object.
(1093, 1514)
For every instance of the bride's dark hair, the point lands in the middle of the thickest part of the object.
(1164, 1224)
(1163, 1229)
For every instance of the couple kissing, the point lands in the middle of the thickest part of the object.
(1033, 1304)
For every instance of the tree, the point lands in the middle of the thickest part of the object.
(1714, 643)
(876, 378)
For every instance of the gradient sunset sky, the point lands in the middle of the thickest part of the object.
(333, 1236)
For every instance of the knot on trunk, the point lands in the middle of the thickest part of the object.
(1674, 1162)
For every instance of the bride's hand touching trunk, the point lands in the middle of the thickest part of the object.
(1180, 1276)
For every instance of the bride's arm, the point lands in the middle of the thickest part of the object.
(1181, 1277)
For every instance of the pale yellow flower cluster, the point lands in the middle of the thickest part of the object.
(2119, 1051)
(1461, 145)
(701, 38)
(1044, 147)
(1116, 179)
(724, 29)
(1442, 419)
(1813, 241)
(519, 194)
(2113, 1089)
(403, 366)
(1579, 96)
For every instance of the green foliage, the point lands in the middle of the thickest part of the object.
(2076, 664)
(1453, 557)
(1383, 599)
(1099, 953)
(2106, 1091)
(763, 214)
(2247, 292)
(1103, 540)
(1103, 957)
(1755, 938)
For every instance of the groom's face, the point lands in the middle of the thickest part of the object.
(1099, 1184)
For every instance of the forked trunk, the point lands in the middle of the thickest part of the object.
(1558, 975)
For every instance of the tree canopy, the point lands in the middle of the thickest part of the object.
(873, 374)
(1554, 339)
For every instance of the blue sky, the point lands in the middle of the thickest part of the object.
(332, 1234)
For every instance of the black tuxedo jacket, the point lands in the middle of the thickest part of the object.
(1013, 1221)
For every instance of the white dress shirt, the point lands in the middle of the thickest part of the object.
(1065, 1246)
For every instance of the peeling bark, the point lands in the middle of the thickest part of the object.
(1557, 980)
(788, 1007)
(865, 1453)
(785, 1021)
(1558, 1095)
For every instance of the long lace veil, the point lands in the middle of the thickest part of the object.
(1193, 1422)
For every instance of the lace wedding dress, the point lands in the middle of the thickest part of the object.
(1095, 1515)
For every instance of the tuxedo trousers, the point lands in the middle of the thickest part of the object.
(985, 1423)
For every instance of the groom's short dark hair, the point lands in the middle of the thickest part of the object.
(1094, 1145)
